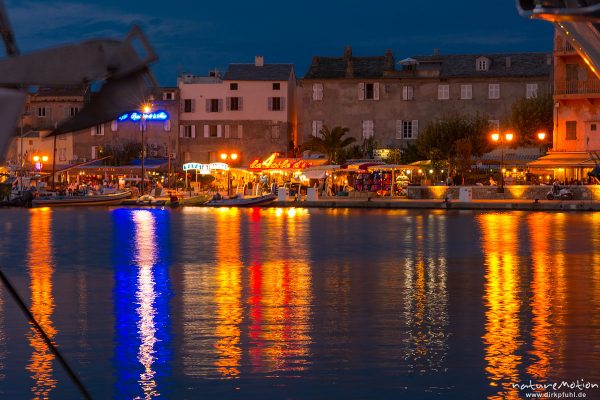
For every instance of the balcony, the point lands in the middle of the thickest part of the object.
(564, 48)
(577, 89)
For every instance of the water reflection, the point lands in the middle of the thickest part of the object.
(228, 295)
(500, 238)
(425, 294)
(40, 261)
(141, 302)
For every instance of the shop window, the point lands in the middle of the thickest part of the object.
(571, 130)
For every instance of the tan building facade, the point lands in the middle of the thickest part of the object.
(391, 102)
(249, 111)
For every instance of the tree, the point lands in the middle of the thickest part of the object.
(446, 139)
(410, 154)
(331, 143)
(530, 116)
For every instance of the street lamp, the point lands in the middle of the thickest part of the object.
(506, 138)
(224, 156)
(146, 108)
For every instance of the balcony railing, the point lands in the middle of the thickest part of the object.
(591, 86)
(564, 47)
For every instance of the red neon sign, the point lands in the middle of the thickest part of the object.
(279, 163)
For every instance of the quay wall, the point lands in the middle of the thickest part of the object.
(513, 192)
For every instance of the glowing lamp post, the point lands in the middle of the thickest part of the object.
(224, 157)
(39, 161)
(541, 136)
(501, 139)
(146, 109)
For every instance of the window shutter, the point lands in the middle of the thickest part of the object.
(227, 128)
(415, 128)
(193, 105)
(398, 129)
(206, 131)
(207, 107)
(182, 106)
(376, 91)
(282, 104)
(220, 105)
(315, 95)
(181, 130)
(167, 125)
(102, 129)
(193, 131)
(93, 130)
(314, 128)
(67, 113)
(361, 91)
(240, 103)
(228, 103)
(114, 126)
(219, 130)
(270, 103)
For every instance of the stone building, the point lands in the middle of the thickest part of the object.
(249, 111)
(44, 110)
(160, 131)
(576, 135)
(391, 102)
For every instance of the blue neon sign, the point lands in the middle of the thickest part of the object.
(136, 116)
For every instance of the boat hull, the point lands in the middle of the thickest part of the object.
(69, 201)
(245, 202)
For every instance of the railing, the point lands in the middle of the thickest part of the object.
(591, 86)
(564, 47)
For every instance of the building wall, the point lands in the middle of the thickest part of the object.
(161, 138)
(258, 123)
(576, 99)
(341, 107)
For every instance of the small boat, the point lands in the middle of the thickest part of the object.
(241, 201)
(90, 200)
(147, 200)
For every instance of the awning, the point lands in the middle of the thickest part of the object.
(564, 160)
(315, 174)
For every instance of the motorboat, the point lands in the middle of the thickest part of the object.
(241, 201)
(87, 200)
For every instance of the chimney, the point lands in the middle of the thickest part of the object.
(436, 52)
(548, 59)
(348, 53)
(508, 62)
(259, 61)
(389, 63)
(349, 69)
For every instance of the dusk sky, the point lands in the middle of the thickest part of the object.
(197, 36)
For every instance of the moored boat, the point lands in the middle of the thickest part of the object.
(242, 201)
(90, 200)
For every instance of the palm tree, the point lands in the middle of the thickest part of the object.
(329, 142)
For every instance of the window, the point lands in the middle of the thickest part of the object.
(275, 131)
(213, 131)
(188, 105)
(466, 92)
(97, 130)
(168, 96)
(114, 125)
(443, 92)
(276, 104)
(593, 127)
(368, 129)
(407, 93)
(316, 128)
(368, 91)
(71, 111)
(531, 90)
(214, 105)
(234, 104)
(95, 152)
(62, 154)
(317, 91)
(41, 112)
(407, 129)
(187, 131)
(494, 125)
(494, 91)
(233, 131)
(276, 86)
(482, 64)
(233, 86)
(571, 130)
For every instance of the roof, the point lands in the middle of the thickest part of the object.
(450, 66)
(463, 65)
(250, 72)
(71, 91)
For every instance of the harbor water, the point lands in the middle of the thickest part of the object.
(269, 303)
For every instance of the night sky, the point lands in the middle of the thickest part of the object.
(197, 36)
